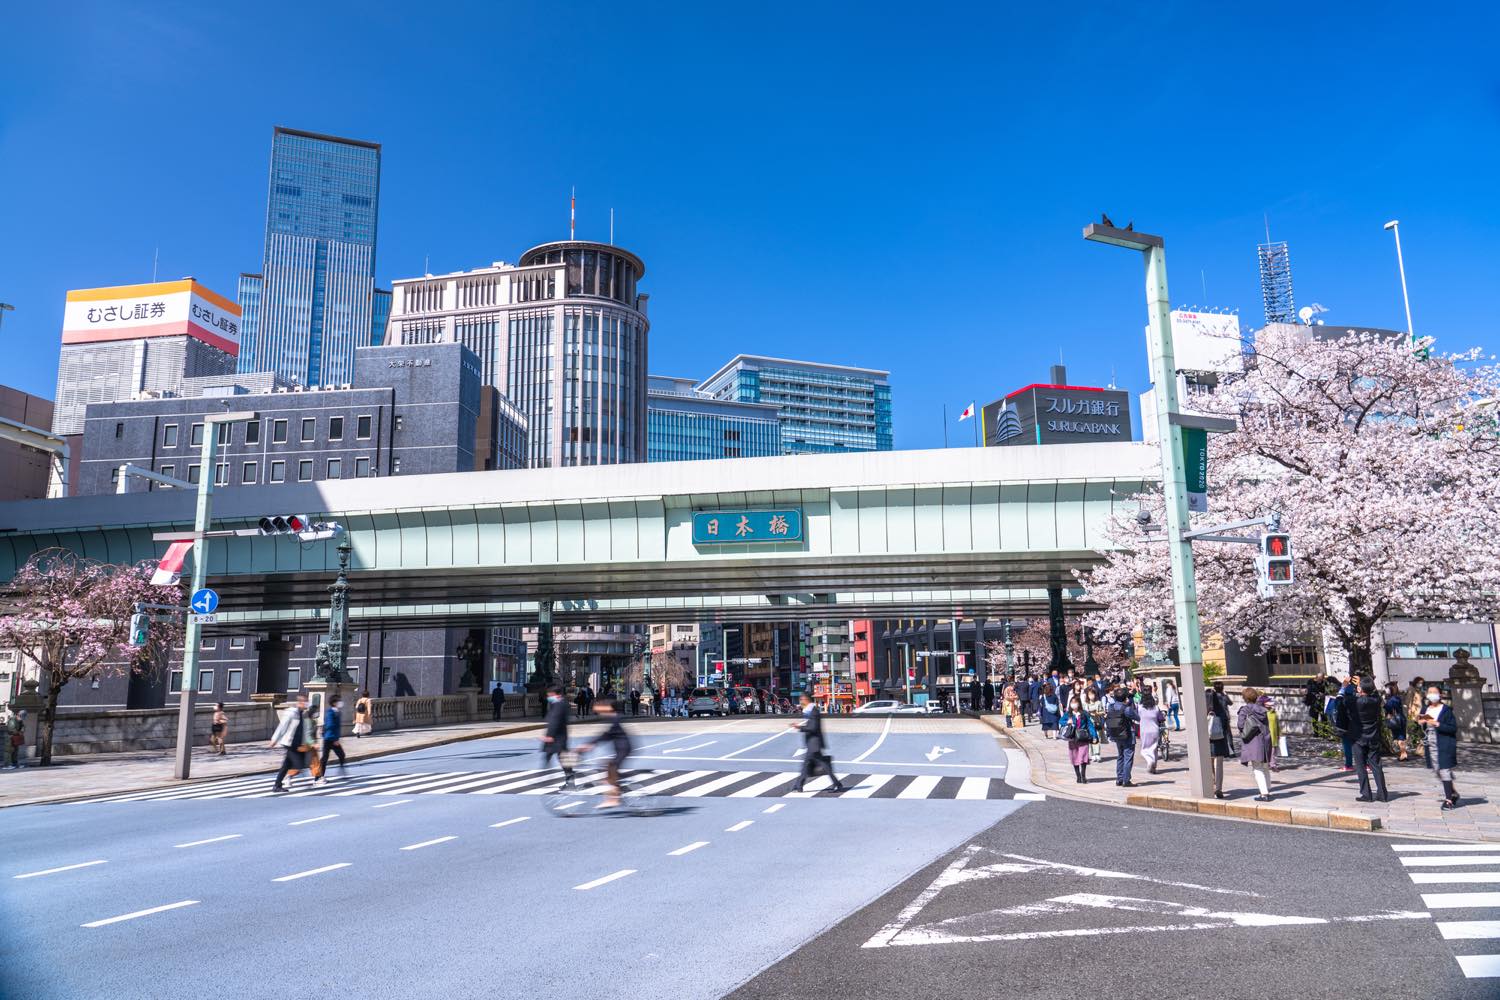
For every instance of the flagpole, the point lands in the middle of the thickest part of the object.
(975, 418)
(945, 425)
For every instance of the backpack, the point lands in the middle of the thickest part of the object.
(1116, 723)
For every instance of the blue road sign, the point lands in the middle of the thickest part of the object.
(205, 601)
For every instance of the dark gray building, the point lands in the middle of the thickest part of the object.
(411, 409)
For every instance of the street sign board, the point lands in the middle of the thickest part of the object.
(205, 619)
(732, 527)
(1195, 467)
(204, 602)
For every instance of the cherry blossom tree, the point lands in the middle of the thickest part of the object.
(1382, 461)
(1035, 636)
(70, 616)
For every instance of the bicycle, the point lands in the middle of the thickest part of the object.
(1164, 745)
(588, 786)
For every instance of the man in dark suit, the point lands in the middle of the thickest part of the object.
(555, 733)
(497, 701)
(1366, 716)
(989, 695)
(1031, 693)
(976, 696)
(816, 747)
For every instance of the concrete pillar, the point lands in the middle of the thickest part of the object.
(1058, 626)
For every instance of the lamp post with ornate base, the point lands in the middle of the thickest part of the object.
(330, 676)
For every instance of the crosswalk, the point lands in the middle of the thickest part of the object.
(681, 784)
(1460, 884)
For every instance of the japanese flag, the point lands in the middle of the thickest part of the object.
(968, 412)
(169, 570)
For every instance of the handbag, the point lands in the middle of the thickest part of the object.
(1215, 727)
(1070, 731)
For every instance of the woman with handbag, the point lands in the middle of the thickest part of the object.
(1079, 730)
(1050, 712)
(364, 715)
(1218, 735)
(1010, 706)
(1255, 741)
(1093, 705)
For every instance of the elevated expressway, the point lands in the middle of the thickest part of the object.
(981, 531)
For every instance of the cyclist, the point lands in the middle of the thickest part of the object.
(619, 740)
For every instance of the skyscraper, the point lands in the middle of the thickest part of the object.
(314, 301)
(824, 408)
(684, 424)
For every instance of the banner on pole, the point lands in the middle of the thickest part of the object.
(1195, 466)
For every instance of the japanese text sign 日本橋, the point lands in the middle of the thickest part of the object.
(728, 527)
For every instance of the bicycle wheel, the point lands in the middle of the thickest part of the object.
(566, 803)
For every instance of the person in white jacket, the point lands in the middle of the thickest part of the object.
(294, 734)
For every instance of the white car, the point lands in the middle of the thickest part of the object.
(882, 705)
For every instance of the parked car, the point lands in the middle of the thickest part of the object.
(707, 701)
(879, 705)
(905, 709)
(744, 699)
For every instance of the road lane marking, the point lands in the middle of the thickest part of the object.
(973, 788)
(776, 808)
(387, 805)
(1451, 848)
(426, 783)
(920, 787)
(1470, 878)
(700, 746)
(739, 826)
(509, 822)
(1030, 796)
(752, 746)
(1452, 860)
(1459, 900)
(867, 787)
(1480, 966)
(64, 868)
(489, 777)
(659, 786)
(1468, 930)
(698, 791)
(429, 843)
(883, 734)
(140, 913)
(688, 849)
(315, 819)
(312, 871)
(210, 840)
(622, 873)
(754, 791)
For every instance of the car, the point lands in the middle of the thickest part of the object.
(904, 709)
(879, 705)
(707, 701)
(744, 700)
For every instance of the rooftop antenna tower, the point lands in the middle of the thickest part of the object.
(1276, 280)
(573, 213)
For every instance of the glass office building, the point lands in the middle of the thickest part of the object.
(684, 424)
(315, 298)
(823, 408)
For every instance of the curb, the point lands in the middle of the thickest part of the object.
(173, 783)
(1259, 812)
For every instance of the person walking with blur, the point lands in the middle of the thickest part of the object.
(1152, 720)
(364, 715)
(15, 738)
(217, 730)
(816, 753)
(1255, 741)
(1442, 742)
(1079, 730)
(333, 739)
(555, 734)
(1010, 706)
(294, 736)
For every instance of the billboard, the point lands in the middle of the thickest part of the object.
(1205, 342)
(160, 309)
(1057, 414)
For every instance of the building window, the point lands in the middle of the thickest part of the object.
(335, 428)
(296, 642)
(278, 472)
(335, 468)
(174, 682)
(221, 474)
(208, 644)
(114, 476)
(233, 681)
(293, 678)
(169, 436)
(225, 432)
(195, 438)
(362, 427)
(167, 470)
(250, 472)
(237, 642)
(205, 681)
(278, 432)
(396, 464)
(119, 429)
(192, 473)
(252, 432)
(309, 428)
(361, 468)
(400, 422)
(304, 471)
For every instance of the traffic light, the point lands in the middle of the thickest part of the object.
(140, 627)
(1273, 566)
(304, 527)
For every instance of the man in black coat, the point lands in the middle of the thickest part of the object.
(976, 696)
(1365, 716)
(497, 700)
(989, 695)
(555, 733)
(1026, 691)
(1313, 698)
(816, 754)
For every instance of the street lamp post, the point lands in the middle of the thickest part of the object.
(207, 473)
(1395, 227)
(1174, 485)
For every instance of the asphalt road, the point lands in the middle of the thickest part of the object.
(439, 873)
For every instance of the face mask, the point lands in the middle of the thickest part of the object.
(1075, 706)
(1434, 697)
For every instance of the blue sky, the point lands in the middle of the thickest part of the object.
(889, 185)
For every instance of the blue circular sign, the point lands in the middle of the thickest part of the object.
(204, 602)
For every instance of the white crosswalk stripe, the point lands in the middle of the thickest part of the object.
(683, 783)
(1483, 931)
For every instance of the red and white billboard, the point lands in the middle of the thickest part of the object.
(160, 309)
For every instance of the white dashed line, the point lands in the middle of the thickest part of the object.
(1466, 878)
(689, 849)
(314, 819)
(1459, 900)
(210, 840)
(1451, 860)
(739, 826)
(140, 913)
(387, 805)
(1451, 848)
(429, 843)
(776, 808)
(312, 871)
(1480, 966)
(509, 822)
(622, 873)
(1030, 797)
(1468, 930)
(64, 868)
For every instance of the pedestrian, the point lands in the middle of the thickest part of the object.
(1395, 717)
(1094, 706)
(1027, 694)
(294, 736)
(1255, 741)
(1416, 707)
(760, 699)
(989, 695)
(333, 738)
(816, 747)
(1079, 730)
(15, 739)
(497, 702)
(555, 734)
(1367, 714)
(1120, 717)
(1218, 734)
(1173, 701)
(1152, 719)
(1337, 709)
(1273, 722)
(635, 702)
(1442, 743)
(364, 715)
(1313, 698)
(1050, 711)
(976, 696)
(1010, 706)
(217, 728)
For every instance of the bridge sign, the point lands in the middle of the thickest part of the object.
(730, 527)
(205, 601)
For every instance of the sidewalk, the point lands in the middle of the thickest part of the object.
(87, 775)
(1307, 790)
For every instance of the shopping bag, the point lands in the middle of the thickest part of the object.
(1282, 748)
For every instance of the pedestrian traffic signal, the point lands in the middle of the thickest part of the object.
(301, 525)
(1273, 566)
(140, 627)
